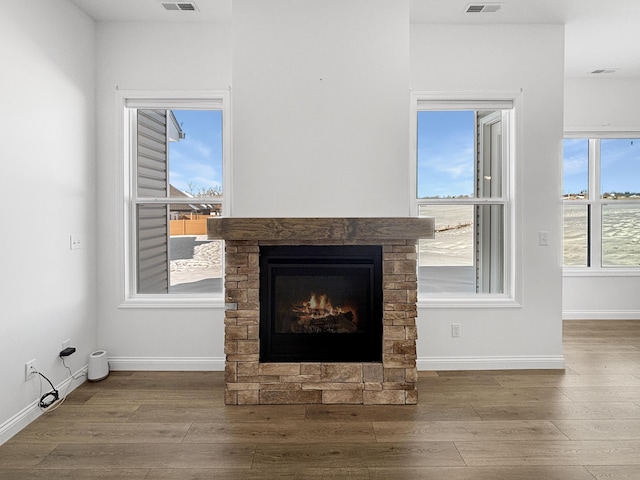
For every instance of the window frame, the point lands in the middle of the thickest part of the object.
(128, 102)
(512, 128)
(595, 203)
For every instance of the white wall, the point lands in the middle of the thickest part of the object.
(458, 58)
(48, 185)
(320, 108)
(602, 105)
(160, 57)
(323, 95)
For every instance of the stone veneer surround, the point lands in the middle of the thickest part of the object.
(250, 382)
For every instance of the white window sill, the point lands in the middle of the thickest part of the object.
(601, 272)
(467, 301)
(174, 301)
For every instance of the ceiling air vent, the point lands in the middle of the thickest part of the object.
(604, 70)
(483, 7)
(180, 6)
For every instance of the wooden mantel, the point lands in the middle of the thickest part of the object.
(346, 229)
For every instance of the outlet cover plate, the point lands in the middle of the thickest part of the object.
(27, 369)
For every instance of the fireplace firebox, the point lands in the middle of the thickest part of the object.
(321, 303)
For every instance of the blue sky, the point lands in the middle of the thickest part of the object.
(620, 165)
(619, 169)
(575, 165)
(197, 159)
(445, 153)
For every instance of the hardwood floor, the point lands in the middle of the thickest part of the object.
(578, 424)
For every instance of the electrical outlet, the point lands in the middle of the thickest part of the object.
(66, 343)
(455, 330)
(30, 369)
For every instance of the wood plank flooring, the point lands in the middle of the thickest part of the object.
(578, 424)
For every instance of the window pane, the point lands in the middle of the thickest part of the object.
(445, 163)
(575, 168)
(179, 153)
(620, 168)
(620, 235)
(467, 254)
(187, 263)
(446, 262)
(576, 235)
(450, 164)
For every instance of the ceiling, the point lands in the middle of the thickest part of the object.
(599, 34)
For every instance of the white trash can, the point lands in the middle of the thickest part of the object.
(98, 366)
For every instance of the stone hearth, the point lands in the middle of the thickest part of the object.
(250, 382)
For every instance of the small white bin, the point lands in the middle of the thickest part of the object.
(98, 366)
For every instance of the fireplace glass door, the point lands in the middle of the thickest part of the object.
(320, 303)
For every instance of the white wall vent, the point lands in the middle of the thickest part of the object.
(483, 7)
(180, 6)
(604, 70)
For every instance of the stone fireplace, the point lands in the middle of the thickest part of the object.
(334, 250)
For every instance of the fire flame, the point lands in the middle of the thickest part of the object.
(319, 306)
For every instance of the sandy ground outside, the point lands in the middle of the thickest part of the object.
(454, 244)
(194, 258)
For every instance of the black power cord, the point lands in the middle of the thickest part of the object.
(49, 398)
(47, 401)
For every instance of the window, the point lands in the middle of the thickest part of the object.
(462, 166)
(176, 157)
(601, 191)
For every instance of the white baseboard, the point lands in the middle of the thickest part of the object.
(601, 314)
(32, 411)
(423, 363)
(167, 363)
(492, 363)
